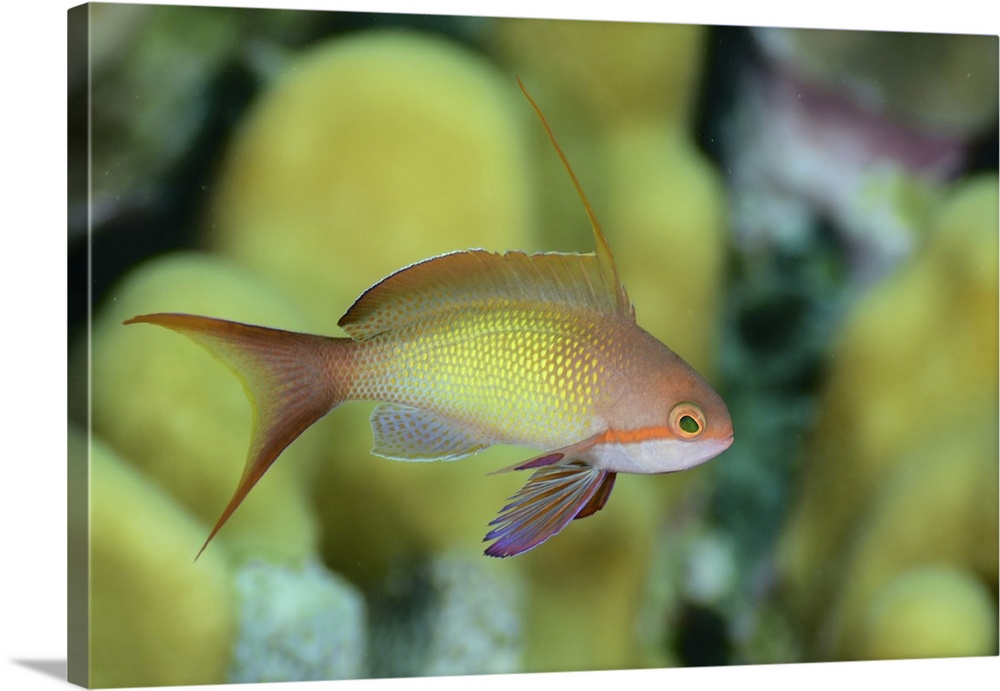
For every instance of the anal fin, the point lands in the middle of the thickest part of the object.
(407, 433)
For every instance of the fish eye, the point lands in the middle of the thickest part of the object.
(687, 420)
(688, 424)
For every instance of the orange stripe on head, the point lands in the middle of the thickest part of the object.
(686, 422)
(634, 436)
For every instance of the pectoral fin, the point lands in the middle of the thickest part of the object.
(554, 496)
(577, 450)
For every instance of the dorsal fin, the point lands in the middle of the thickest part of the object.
(478, 277)
(484, 279)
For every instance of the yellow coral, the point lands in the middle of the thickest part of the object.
(614, 71)
(370, 153)
(156, 617)
(916, 366)
(939, 507)
(934, 611)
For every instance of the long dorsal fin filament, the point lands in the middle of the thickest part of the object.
(602, 249)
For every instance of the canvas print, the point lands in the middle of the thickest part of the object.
(416, 345)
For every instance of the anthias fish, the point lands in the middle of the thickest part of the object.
(474, 348)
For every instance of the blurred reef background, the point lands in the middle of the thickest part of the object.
(809, 217)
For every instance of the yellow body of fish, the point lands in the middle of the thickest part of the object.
(474, 348)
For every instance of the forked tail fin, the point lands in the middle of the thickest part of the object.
(288, 377)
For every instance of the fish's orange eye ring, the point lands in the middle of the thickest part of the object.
(687, 421)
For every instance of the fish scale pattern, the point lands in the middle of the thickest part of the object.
(499, 372)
